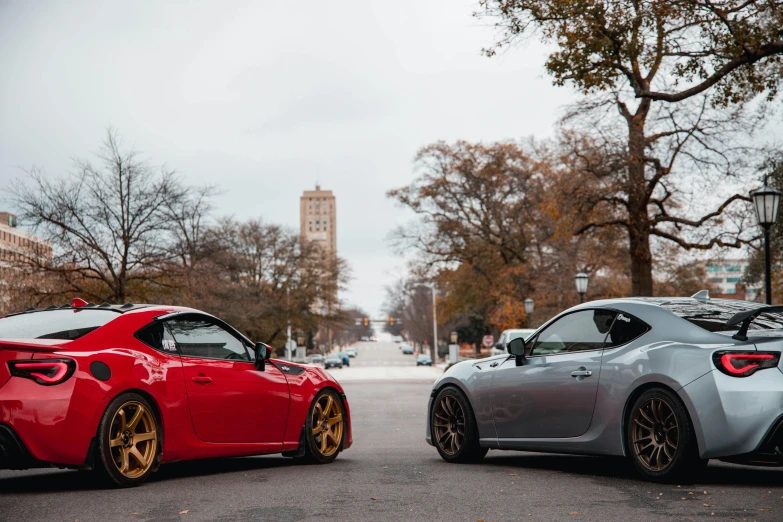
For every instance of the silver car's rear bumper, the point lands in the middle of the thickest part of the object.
(735, 416)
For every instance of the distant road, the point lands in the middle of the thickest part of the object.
(384, 361)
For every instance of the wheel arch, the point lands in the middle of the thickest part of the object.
(635, 394)
(156, 410)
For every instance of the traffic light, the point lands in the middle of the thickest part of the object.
(391, 321)
(366, 321)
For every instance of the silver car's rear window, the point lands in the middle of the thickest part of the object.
(712, 316)
(54, 324)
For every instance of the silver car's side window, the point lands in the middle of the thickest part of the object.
(576, 332)
(625, 329)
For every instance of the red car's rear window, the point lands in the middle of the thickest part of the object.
(54, 324)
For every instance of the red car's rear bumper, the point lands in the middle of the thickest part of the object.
(53, 424)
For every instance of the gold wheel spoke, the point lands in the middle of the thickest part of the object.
(447, 406)
(115, 442)
(644, 414)
(134, 451)
(317, 430)
(323, 443)
(136, 418)
(643, 425)
(123, 423)
(441, 417)
(334, 420)
(329, 404)
(141, 437)
(125, 460)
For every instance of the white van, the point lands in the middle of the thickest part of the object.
(508, 336)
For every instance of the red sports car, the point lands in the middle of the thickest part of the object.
(123, 389)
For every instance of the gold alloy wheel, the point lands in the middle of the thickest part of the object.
(656, 434)
(449, 425)
(327, 425)
(133, 439)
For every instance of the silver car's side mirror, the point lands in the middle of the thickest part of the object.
(516, 347)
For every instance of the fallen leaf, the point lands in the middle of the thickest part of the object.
(373, 498)
(184, 512)
(385, 467)
(763, 509)
(683, 498)
(706, 505)
(575, 513)
(513, 475)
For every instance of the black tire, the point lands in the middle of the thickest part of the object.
(660, 440)
(316, 450)
(455, 435)
(109, 458)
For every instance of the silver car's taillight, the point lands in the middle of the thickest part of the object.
(744, 364)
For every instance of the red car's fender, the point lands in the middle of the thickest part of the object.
(303, 388)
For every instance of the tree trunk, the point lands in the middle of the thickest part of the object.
(641, 262)
(638, 199)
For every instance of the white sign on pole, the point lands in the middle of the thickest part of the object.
(453, 353)
(488, 341)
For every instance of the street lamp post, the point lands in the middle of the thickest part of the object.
(766, 200)
(434, 322)
(581, 285)
(530, 306)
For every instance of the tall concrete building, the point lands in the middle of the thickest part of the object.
(318, 218)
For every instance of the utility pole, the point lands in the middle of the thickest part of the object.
(288, 354)
(434, 325)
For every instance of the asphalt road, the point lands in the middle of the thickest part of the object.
(392, 474)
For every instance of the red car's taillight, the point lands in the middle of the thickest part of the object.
(45, 372)
(744, 364)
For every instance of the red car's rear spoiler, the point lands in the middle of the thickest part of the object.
(47, 345)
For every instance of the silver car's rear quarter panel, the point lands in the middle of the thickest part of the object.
(732, 415)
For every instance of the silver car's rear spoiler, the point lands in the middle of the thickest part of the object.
(747, 317)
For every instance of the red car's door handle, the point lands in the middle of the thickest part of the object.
(202, 379)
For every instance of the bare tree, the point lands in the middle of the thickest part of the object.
(105, 222)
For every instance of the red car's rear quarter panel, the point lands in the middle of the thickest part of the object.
(56, 423)
(303, 389)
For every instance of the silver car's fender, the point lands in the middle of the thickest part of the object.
(474, 378)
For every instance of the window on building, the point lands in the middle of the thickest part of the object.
(716, 280)
(732, 268)
(713, 268)
(732, 279)
(730, 291)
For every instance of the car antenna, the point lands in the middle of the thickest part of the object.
(702, 295)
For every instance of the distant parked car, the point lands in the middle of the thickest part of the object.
(423, 360)
(364, 338)
(507, 336)
(374, 339)
(407, 349)
(333, 361)
(351, 351)
(397, 339)
(316, 358)
(345, 358)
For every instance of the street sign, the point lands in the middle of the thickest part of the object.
(488, 341)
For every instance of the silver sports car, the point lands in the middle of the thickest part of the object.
(669, 383)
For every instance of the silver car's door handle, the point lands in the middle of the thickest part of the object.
(581, 372)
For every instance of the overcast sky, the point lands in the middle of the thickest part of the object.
(264, 98)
